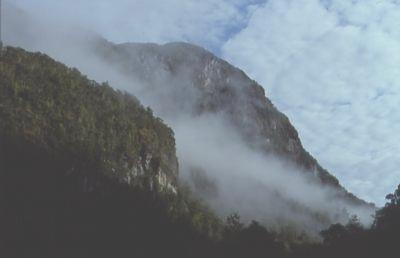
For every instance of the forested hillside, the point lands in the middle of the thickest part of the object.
(354, 241)
(87, 171)
(54, 107)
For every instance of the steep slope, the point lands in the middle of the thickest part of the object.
(54, 107)
(203, 83)
(176, 80)
(235, 149)
(86, 171)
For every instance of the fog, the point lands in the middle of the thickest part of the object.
(234, 178)
(221, 168)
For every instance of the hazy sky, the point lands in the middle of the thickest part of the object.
(332, 66)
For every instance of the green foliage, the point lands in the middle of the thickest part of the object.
(68, 142)
(354, 241)
(387, 219)
(185, 207)
(56, 107)
(65, 144)
(394, 199)
(233, 225)
(251, 240)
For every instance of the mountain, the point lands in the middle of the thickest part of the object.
(85, 171)
(180, 80)
(235, 149)
(45, 103)
(219, 88)
(88, 171)
(80, 172)
(188, 79)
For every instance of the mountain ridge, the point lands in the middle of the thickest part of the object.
(223, 87)
(97, 46)
(52, 210)
(184, 84)
(48, 104)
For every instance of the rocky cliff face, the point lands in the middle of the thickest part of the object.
(87, 171)
(45, 105)
(181, 79)
(185, 85)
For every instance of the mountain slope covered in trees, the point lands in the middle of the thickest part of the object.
(86, 171)
(203, 83)
(183, 83)
(70, 152)
(60, 110)
(218, 114)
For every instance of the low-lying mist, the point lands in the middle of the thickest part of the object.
(232, 177)
(214, 159)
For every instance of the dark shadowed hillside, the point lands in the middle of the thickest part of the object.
(68, 190)
(235, 149)
(86, 171)
(183, 82)
(204, 83)
(62, 111)
(178, 153)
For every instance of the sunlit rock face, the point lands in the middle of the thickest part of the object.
(224, 125)
(221, 116)
(181, 79)
(88, 128)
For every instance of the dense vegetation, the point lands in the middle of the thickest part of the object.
(79, 167)
(54, 107)
(354, 241)
(66, 147)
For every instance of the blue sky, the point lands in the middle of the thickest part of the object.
(332, 66)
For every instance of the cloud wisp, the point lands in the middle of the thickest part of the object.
(330, 65)
(207, 23)
(333, 68)
(253, 185)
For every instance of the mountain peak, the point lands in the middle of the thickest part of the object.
(182, 81)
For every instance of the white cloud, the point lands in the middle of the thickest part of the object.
(250, 183)
(204, 22)
(334, 68)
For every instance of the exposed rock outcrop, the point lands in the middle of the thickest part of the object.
(183, 79)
